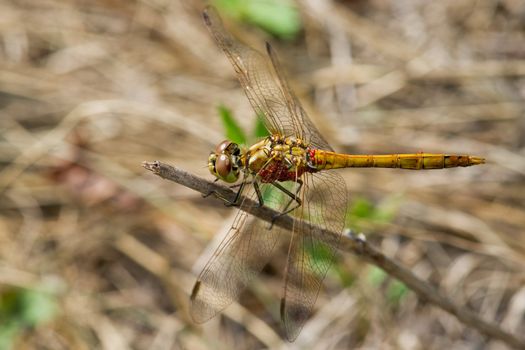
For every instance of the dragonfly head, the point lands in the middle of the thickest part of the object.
(224, 163)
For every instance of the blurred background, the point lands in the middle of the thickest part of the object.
(96, 252)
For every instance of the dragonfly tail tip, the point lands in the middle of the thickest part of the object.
(476, 160)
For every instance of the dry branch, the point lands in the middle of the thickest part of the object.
(351, 244)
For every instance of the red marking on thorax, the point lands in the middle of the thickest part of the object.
(278, 171)
(311, 155)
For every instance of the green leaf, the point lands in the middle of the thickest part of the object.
(233, 130)
(23, 308)
(397, 290)
(376, 276)
(363, 213)
(322, 253)
(232, 8)
(260, 130)
(277, 17)
(362, 208)
(38, 307)
(346, 277)
(8, 332)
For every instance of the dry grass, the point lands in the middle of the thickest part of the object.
(89, 90)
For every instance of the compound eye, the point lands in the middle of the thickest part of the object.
(222, 146)
(223, 166)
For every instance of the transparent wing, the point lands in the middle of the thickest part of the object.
(307, 131)
(310, 256)
(240, 257)
(265, 86)
(248, 247)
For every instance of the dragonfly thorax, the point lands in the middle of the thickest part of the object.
(278, 158)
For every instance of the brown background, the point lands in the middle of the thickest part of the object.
(90, 89)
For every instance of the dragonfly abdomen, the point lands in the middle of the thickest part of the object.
(324, 160)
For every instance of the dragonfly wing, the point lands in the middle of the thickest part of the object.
(265, 85)
(240, 257)
(310, 254)
(303, 126)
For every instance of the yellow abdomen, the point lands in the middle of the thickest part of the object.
(324, 160)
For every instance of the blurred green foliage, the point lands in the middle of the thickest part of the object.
(277, 17)
(396, 292)
(231, 127)
(376, 276)
(21, 309)
(321, 255)
(234, 131)
(260, 130)
(362, 213)
(395, 289)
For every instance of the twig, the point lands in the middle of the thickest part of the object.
(349, 243)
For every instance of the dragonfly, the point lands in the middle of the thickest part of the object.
(290, 171)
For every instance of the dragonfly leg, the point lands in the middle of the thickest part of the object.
(258, 192)
(210, 192)
(235, 201)
(239, 185)
(226, 201)
(293, 198)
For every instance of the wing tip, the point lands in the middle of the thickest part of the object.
(293, 318)
(282, 308)
(200, 316)
(195, 290)
(199, 310)
(206, 15)
(269, 48)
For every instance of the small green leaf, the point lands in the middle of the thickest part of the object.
(23, 308)
(233, 130)
(322, 253)
(362, 208)
(232, 8)
(347, 278)
(376, 276)
(260, 130)
(386, 210)
(277, 17)
(8, 332)
(397, 290)
(38, 307)
(363, 213)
